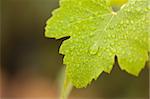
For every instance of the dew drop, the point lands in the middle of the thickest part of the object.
(127, 21)
(121, 22)
(131, 22)
(146, 9)
(105, 41)
(109, 35)
(91, 34)
(128, 10)
(94, 49)
(125, 37)
(102, 17)
(113, 36)
(112, 44)
(133, 28)
(138, 9)
(99, 54)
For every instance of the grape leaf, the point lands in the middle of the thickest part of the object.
(97, 34)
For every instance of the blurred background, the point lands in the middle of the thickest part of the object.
(30, 63)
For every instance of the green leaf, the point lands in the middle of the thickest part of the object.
(97, 34)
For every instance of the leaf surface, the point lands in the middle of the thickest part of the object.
(97, 34)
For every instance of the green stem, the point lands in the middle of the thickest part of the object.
(67, 87)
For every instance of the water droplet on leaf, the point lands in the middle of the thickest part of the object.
(94, 49)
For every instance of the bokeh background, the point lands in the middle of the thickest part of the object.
(30, 63)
